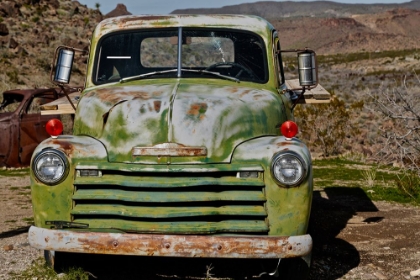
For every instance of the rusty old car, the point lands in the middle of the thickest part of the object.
(22, 125)
(183, 145)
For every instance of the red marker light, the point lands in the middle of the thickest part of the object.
(54, 127)
(289, 129)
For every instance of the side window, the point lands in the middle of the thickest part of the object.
(10, 103)
(37, 101)
(118, 57)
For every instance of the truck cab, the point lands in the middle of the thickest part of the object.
(183, 145)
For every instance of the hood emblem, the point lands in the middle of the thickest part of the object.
(170, 149)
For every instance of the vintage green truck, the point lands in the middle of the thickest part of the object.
(183, 145)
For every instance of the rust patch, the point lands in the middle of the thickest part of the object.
(143, 18)
(157, 105)
(245, 92)
(113, 96)
(232, 90)
(198, 109)
(22, 124)
(174, 245)
(65, 146)
(169, 149)
(139, 94)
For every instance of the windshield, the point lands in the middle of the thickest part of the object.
(10, 102)
(149, 54)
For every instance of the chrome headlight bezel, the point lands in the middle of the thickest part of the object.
(50, 166)
(296, 164)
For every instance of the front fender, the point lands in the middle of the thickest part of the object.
(55, 202)
(288, 208)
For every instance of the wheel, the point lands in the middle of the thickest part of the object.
(233, 65)
(59, 261)
(49, 257)
(294, 268)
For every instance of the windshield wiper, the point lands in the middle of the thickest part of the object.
(138, 77)
(212, 73)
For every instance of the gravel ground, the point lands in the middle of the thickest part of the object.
(16, 213)
(16, 254)
(354, 238)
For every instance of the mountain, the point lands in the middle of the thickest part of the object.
(120, 10)
(330, 27)
(31, 30)
(390, 30)
(275, 10)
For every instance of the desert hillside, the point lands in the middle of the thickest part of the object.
(330, 27)
(31, 30)
(289, 9)
(390, 30)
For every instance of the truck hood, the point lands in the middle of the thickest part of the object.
(176, 122)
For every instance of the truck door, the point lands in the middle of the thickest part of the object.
(4, 139)
(9, 127)
(32, 126)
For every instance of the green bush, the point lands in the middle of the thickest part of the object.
(44, 64)
(325, 126)
(13, 76)
(409, 184)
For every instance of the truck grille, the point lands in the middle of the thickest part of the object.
(178, 201)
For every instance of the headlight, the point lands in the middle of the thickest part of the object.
(289, 169)
(50, 166)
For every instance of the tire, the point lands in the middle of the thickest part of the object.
(49, 257)
(294, 269)
(59, 261)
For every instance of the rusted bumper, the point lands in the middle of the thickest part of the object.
(171, 245)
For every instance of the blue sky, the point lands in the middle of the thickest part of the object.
(167, 6)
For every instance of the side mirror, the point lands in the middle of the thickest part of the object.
(63, 66)
(308, 71)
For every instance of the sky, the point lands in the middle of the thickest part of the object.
(137, 7)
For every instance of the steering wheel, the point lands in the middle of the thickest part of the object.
(233, 64)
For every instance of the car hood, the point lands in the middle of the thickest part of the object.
(176, 122)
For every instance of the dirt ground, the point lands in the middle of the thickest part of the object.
(354, 238)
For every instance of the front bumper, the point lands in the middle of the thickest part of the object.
(171, 245)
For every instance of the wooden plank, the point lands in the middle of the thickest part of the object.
(61, 106)
(316, 95)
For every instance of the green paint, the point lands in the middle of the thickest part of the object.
(235, 122)
(167, 212)
(166, 196)
(165, 181)
(230, 226)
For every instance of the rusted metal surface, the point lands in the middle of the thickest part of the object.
(171, 245)
(22, 125)
(187, 114)
(159, 158)
(170, 149)
(241, 22)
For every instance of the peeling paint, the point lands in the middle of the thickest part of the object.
(171, 245)
(177, 166)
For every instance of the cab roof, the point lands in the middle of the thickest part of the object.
(241, 22)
